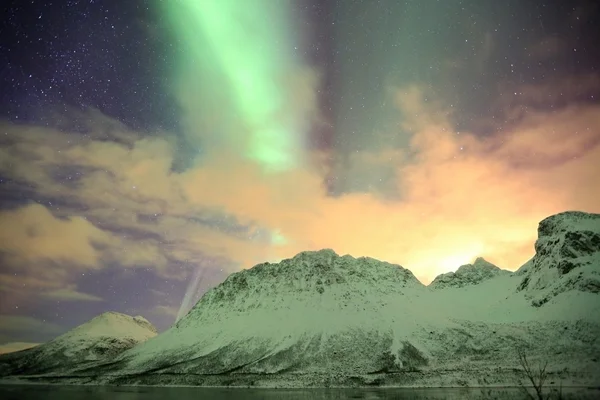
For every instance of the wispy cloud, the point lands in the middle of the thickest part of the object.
(13, 324)
(165, 310)
(70, 294)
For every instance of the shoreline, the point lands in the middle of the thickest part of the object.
(283, 382)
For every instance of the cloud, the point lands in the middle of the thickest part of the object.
(70, 294)
(45, 255)
(31, 236)
(462, 195)
(31, 233)
(15, 346)
(447, 198)
(165, 310)
(14, 324)
(548, 47)
(571, 91)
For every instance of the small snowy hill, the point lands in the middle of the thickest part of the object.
(103, 337)
(567, 257)
(468, 274)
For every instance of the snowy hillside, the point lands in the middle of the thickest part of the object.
(567, 257)
(314, 312)
(469, 274)
(103, 337)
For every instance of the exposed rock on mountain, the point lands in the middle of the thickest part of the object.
(143, 322)
(567, 257)
(101, 338)
(468, 274)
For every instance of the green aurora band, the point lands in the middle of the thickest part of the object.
(249, 44)
(242, 54)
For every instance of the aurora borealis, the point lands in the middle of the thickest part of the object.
(149, 149)
(249, 46)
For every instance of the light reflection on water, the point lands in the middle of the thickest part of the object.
(35, 392)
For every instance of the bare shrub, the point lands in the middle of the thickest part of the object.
(537, 378)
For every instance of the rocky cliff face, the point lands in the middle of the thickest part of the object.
(101, 338)
(468, 274)
(567, 257)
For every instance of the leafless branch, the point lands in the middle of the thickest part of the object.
(536, 378)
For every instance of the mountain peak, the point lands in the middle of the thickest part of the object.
(568, 221)
(468, 274)
(567, 255)
(326, 264)
(112, 323)
(144, 323)
(481, 261)
(311, 275)
(317, 254)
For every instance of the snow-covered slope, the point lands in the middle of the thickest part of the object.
(567, 257)
(315, 312)
(468, 274)
(101, 338)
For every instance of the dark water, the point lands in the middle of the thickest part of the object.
(34, 392)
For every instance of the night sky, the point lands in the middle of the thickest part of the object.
(150, 148)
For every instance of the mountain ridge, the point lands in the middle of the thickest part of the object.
(567, 254)
(390, 320)
(320, 319)
(467, 274)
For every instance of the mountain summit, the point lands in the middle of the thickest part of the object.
(468, 274)
(567, 257)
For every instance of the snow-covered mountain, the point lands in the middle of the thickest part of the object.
(317, 312)
(323, 319)
(101, 338)
(567, 257)
(468, 274)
